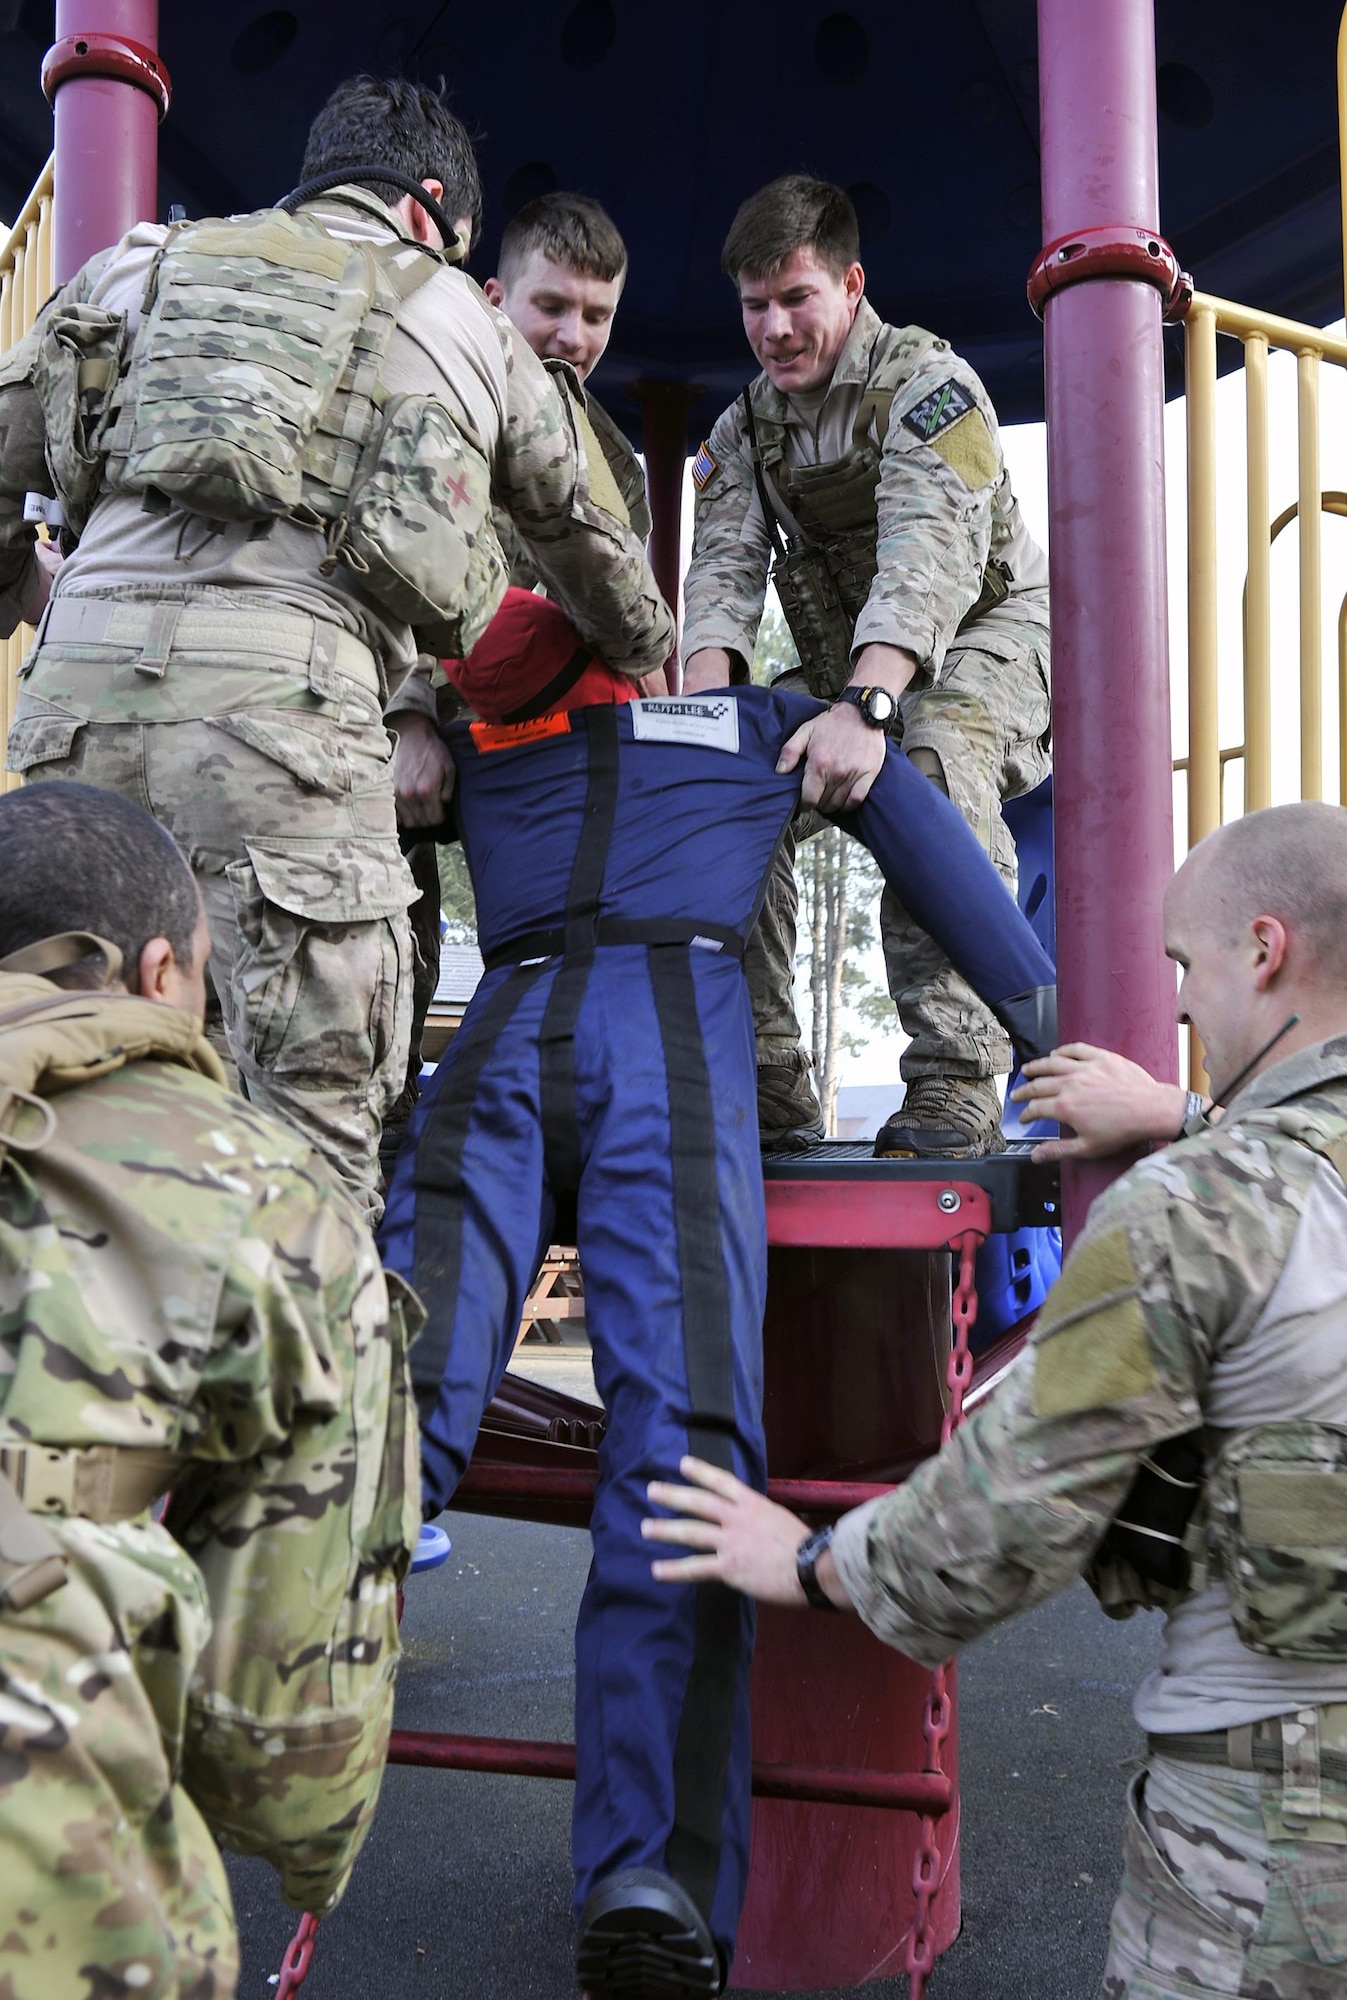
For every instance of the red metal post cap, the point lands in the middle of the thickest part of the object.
(115, 56)
(1115, 250)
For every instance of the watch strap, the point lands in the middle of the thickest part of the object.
(1194, 1116)
(857, 697)
(806, 1560)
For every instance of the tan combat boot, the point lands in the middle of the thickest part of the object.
(789, 1117)
(944, 1118)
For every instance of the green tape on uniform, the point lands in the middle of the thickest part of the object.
(604, 490)
(1092, 1348)
(1293, 1506)
(970, 450)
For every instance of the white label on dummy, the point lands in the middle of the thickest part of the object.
(707, 721)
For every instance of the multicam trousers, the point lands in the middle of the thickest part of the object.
(255, 737)
(982, 734)
(1225, 1893)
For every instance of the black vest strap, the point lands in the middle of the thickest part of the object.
(769, 515)
(556, 1037)
(439, 1183)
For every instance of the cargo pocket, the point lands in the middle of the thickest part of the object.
(312, 748)
(41, 739)
(1316, 1882)
(323, 937)
(1160, 1928)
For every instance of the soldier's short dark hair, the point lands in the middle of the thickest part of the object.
(793, 213)
(73, 858)
(571, 229)
(398, 124)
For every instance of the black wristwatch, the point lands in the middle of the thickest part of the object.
(806, 1557)
(877, 706)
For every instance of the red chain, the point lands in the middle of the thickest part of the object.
(298, 1958)
(935, 1722)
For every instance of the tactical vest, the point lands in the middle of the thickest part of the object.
(1263, 1510)
(824, 575)
(252, 391)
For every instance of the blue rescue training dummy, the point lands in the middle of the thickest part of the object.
(619, 856)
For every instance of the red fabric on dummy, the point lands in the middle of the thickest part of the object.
(528, 643)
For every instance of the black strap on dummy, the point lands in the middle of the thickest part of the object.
(705, 1728)
(439, 1183)
(718, 938)
(556, 1036)
(560, 684)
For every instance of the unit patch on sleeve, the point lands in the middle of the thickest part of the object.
(707, 722)
(950, 422)
(936, 412)
(704, 467)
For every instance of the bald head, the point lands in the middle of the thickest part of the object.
(1257, 919)
(1288, 862)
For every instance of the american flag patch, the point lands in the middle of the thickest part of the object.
(704, 467)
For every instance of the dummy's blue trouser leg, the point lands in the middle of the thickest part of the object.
(639, 1082)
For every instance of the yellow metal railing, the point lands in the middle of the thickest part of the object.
(25, 282)
(1260, 333)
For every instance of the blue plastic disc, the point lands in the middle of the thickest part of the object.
(432, 1548)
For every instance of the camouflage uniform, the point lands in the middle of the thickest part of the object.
(274, 769)
(185, 1300)
(943, 566)
(629, 501)
(1208, 1290)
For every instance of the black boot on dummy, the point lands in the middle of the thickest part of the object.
(643, 1938)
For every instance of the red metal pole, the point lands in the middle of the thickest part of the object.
(109, 90)
(1105, 400)
(487, 1482)
(516, 1757)
(664, 407)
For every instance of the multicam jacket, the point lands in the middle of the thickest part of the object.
(627, 497)
(942, 510)
(179, 1272)
(1209, 1289)
(448, 343)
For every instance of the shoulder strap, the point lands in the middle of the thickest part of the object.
(886, 378)
(407, 275)
(755, 454)
(63, 949)
(876, 407)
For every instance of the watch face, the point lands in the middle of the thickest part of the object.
(879, 705)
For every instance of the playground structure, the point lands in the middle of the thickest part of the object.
(868, 1324)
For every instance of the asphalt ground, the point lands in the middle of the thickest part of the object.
(463, 1889)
